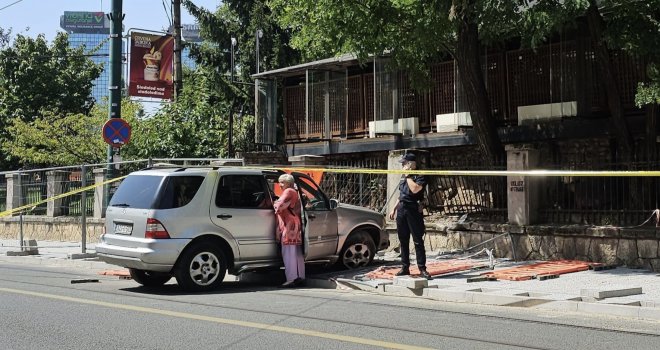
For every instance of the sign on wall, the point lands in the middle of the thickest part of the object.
(151, 67)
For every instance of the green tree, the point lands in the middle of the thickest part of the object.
(210, 98)
(55, 140)
(415, 34)
(38, 79)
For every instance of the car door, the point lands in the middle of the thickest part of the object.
(319, 219)
(243, 207)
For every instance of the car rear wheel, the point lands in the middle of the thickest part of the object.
(201, 267)
(358, 251)
(149, 278)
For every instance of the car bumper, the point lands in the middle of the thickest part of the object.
(139, 253)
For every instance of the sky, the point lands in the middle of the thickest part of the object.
(43, 16)
(34, 17)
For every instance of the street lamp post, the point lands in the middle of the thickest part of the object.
(233, 43)
(230, 132)
(259, 34)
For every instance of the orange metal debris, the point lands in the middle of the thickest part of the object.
(120, 273)
(433, 267)
(546, 268)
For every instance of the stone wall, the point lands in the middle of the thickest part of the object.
(64, 229)
(635, 248)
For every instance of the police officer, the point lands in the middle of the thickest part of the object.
(409, 219)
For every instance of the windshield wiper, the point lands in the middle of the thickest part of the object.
(122, 205)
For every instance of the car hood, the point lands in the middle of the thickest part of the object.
(358, 208)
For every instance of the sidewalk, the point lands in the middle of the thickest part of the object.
(618, 292)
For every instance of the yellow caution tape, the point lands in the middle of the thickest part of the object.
(14, 210)
(535, 173)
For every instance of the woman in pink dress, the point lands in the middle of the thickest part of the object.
(289, 232)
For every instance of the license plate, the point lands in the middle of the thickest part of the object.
(123, 229)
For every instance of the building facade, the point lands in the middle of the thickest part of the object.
(91, 30)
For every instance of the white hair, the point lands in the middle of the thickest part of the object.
(288, 178)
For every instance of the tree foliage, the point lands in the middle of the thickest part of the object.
(40, 81)
(210, 96)
(56, 140)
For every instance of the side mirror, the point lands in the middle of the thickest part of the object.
(334, 204)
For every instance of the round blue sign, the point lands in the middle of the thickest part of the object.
(116, 132)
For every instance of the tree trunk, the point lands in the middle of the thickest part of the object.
(602, 55)
(651, 131)
(471, 75)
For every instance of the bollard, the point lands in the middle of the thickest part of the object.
(83, 209)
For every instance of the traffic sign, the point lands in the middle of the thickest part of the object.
(116, 132)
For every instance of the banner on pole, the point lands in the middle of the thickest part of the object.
(151, 66)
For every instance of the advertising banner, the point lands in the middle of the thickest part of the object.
(151, 67)
(83, 20)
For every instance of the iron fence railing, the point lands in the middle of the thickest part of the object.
(359, 188)
(612, 200)
(618, 201)
(3, 195)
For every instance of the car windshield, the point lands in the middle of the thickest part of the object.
(137, 191)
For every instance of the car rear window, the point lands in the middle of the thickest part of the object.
(179, 191)
(137, 191)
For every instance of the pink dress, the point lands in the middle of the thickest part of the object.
(287, 211)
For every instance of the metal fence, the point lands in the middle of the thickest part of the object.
(359, 188)
(618, 201)
(3, 194)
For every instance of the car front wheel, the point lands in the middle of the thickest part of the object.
(201, 267)
(358, 251)
(149, 278)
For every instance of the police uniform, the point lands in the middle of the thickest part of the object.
(410, 221)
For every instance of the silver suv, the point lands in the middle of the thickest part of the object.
(198, 223)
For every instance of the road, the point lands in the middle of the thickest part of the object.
(41, 309)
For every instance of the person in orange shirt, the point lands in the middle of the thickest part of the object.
(289, 232)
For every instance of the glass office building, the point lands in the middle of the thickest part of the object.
(97, 46)
(189, 34)
(91, 30)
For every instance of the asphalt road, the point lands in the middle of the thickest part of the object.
(41, 309)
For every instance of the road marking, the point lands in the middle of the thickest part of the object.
(268, 327)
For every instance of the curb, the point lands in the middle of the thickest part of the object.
(646, 310)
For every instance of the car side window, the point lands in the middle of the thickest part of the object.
(179, 191)
(242, 191)
(312, 197)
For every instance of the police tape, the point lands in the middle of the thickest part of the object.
(311, 171)
(82, 189)
(535, 173)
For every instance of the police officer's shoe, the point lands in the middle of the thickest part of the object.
(425, 274)
(403, 272)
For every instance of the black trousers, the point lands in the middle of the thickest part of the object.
(409, 221)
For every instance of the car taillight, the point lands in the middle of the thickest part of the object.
(155, 230)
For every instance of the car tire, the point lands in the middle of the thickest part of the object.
(358, 251)
(200, 268)
(149, 278)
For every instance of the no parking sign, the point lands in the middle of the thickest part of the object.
(116, 132)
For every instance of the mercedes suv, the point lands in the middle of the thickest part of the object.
(196, 224)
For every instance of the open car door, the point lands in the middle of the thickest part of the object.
(319, 220)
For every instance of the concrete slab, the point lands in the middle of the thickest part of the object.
(78, 256)
(403, 291)
(610, 292)
(411, 282)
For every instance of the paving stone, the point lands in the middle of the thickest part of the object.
(448, 295)
(411, 282)
(609, 309)
(403, 291)
(610, 292)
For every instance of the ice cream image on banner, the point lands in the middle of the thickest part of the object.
(152, 65)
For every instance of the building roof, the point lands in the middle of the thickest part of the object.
(341, 62)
